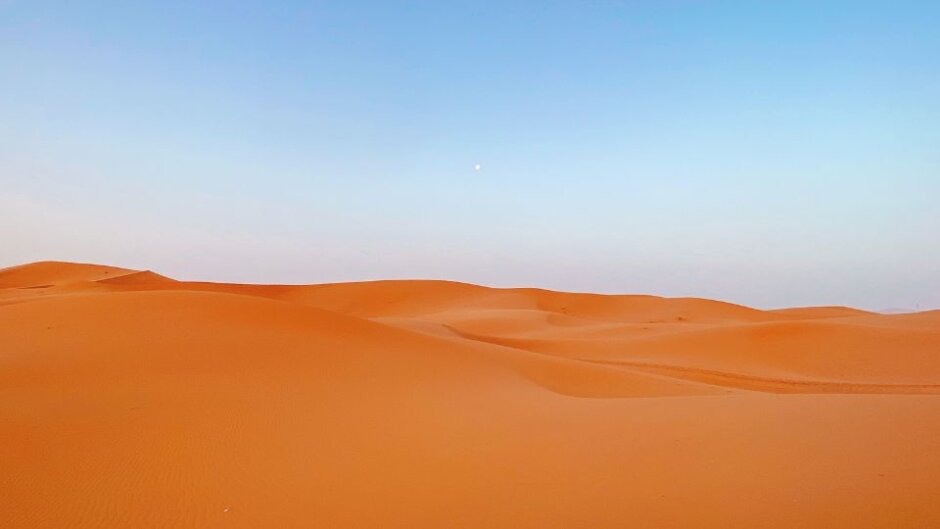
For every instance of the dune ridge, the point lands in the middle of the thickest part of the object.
(438, 403)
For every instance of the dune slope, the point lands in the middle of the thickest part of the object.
(130, 399)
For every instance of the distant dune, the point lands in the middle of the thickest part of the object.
(130, 399)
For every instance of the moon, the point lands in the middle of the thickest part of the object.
(476, 167)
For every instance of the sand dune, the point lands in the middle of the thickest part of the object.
(130, 399)
(811, 313)
(48, 273)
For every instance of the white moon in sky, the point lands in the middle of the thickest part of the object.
(476, 167)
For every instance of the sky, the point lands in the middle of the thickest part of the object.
(765, 153)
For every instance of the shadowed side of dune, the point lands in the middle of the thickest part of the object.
(144, 277)
(809, 352)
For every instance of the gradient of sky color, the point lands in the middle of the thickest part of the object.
(765, 153)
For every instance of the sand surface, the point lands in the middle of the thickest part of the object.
(129, 399)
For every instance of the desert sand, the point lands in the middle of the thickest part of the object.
(130, 399)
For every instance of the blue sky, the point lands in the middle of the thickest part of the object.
(766, 153)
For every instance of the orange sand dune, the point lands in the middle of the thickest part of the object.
(810, 313)
(130, 399)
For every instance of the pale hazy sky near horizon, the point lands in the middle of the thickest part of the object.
(765, 153)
